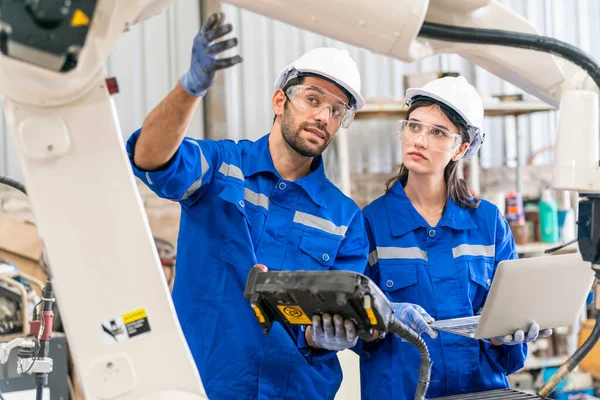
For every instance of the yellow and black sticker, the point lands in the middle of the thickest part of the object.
(136, 322)
(125, 326)
(79, 19)
(294, 315)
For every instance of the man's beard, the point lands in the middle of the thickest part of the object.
(294, 140)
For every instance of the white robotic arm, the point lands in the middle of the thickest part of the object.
(110, 287)
(71, 152)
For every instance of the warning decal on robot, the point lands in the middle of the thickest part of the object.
(79, 19)
(136, 322)
(295, 315)
(114, 331)
(126, 326)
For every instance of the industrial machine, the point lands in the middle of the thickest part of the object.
(293, 297)
(70, 149)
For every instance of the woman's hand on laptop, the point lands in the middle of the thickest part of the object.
(519, 337)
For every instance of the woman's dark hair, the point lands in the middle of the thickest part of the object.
(458, 190)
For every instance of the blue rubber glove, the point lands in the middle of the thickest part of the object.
(415, 317)
(519, 336)
(204, 65)
(333, 333)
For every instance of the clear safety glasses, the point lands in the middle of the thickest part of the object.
(313, 100)
(434, 137)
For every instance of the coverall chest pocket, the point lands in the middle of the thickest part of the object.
(316, 252)
(256, 217)
(234, 205)
(398, 279)
(231, 240)
(480, 273)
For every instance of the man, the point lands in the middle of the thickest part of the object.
(265, 202)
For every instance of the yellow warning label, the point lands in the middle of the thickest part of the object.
(134, 316)
(294, 315)
(371, 315)
(259, 315)
(79, 19)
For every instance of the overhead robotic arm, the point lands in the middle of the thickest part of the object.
(71, 152)
(121, 325)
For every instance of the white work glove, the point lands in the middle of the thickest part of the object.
(333, 333)
(519, 336)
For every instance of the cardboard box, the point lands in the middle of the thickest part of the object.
(20, 244)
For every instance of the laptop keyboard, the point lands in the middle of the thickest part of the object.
(470, 328)
(502, 394)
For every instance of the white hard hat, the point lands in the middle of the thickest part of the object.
(333, 64)
(460, 96)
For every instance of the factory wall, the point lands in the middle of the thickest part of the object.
(154, 54)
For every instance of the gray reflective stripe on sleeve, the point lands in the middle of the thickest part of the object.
(319, 223)
(148, 178)
(401, 253)
(373, 258)
(258, 199)
(474, 250)
(196, 185)
(192, 141)
(231, 170)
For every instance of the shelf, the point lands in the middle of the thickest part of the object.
(537, 363)
(396, 108)
(539, 248)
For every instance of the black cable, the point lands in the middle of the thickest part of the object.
(39, 392)
(562, 246)
(35, 358)
(35, 313)
(572, 362)
(498, 37)
(13, 184)
(403, 331)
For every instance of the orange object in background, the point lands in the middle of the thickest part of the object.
(514, 213)
(591, 363)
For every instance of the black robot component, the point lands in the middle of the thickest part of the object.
(292, 298)
(47, 33)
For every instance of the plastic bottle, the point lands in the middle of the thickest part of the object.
(515, 216)
(548, 218)
(566, 217)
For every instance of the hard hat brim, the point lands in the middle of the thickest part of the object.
(360, 102)
(414, 92)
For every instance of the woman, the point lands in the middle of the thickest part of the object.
(434, 249)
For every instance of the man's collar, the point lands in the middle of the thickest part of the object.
(258, 159)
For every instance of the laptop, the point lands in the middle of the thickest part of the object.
(549, 290)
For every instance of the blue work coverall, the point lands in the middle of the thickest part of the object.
(446, 269)
(237, 211)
